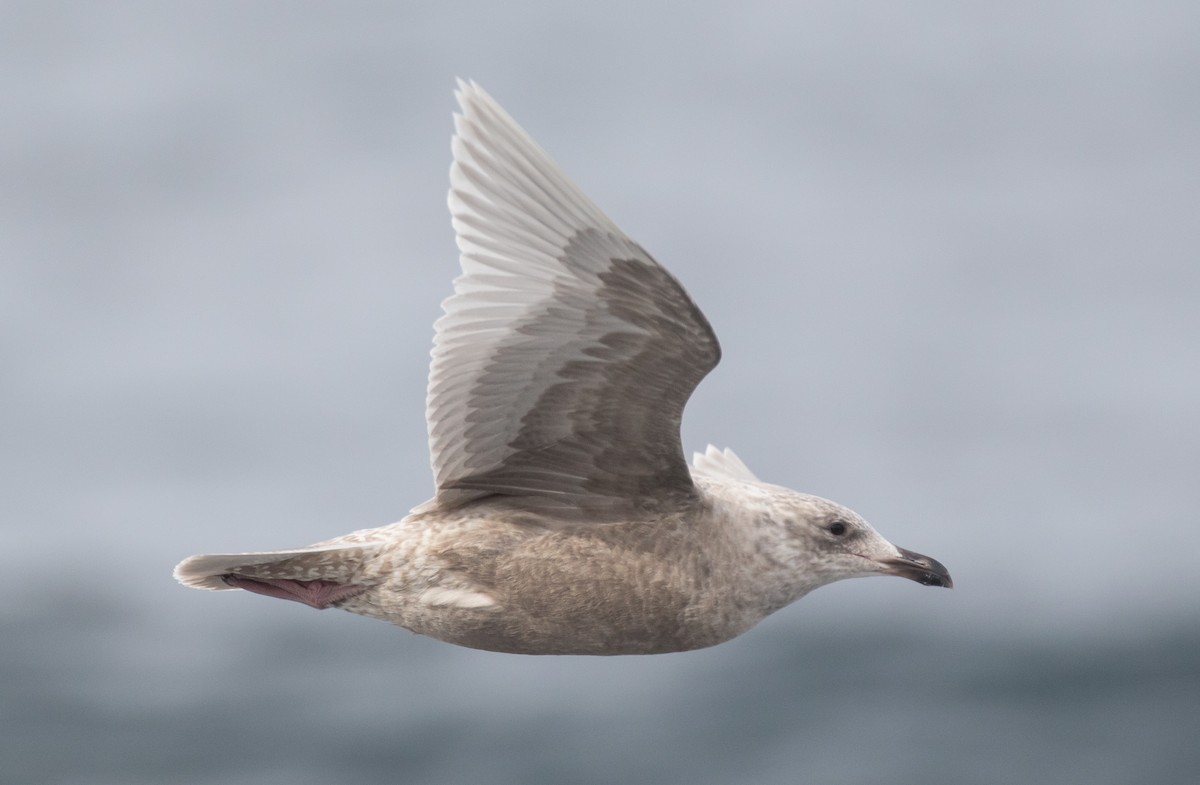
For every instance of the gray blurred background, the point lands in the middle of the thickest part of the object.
(950, 250)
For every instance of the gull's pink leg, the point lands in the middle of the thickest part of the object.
(316, 594)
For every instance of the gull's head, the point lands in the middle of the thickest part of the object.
(826, 542)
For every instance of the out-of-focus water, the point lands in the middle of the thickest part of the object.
(97, 694)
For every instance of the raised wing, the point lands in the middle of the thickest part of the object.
(565, 356)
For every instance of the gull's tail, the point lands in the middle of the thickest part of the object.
(319, 576)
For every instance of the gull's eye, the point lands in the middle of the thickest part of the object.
(838, 528)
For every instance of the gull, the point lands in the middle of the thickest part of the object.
(566, 518)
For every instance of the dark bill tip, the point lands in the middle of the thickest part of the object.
(919, 568)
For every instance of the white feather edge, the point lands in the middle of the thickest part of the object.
(514, 212)
(722, 463)
(513, 209)
(456, 597)
(503, 180)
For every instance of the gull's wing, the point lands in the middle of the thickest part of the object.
(722, 463)
(565, 356)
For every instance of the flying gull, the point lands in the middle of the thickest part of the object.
(566, 518)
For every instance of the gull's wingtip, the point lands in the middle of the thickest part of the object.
(468, 91)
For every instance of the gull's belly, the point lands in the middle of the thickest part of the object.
(600, 589)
